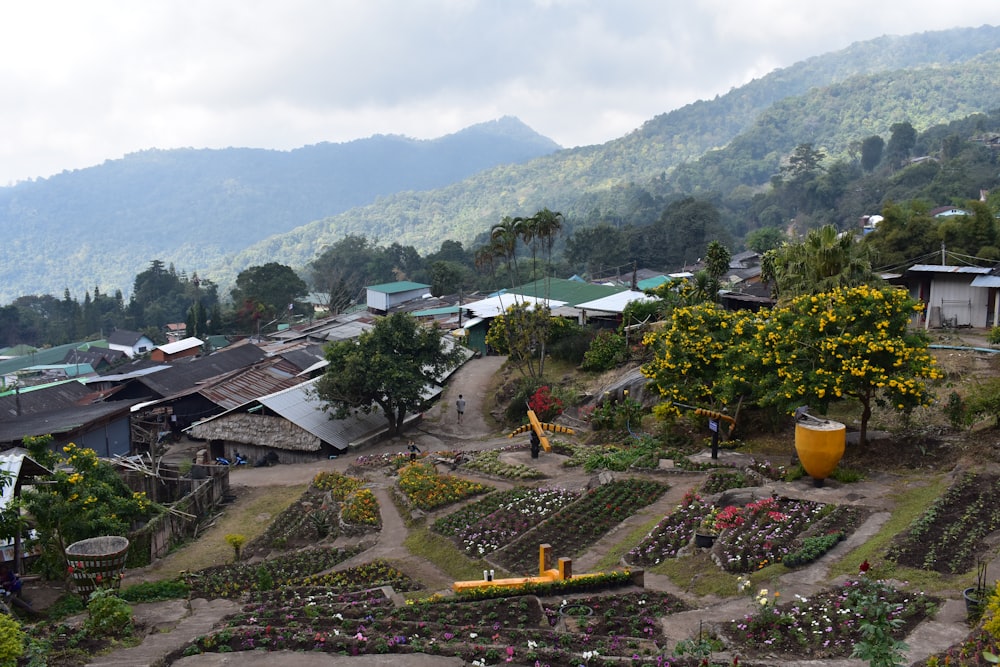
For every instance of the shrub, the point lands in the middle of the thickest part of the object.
(812, 548)
(955, 410)
(265, 581)
(236, 541)
(607, 350)
(107, 615)
(545, 405)
(154, 591)
(568, 341)
(12, 640)
(993, 337)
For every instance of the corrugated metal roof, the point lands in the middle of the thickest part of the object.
(247, 385)
(176, 378)
(944, 268)
(65, 420)
(181, 345)
(397, 287)
(986, 281)
(303, 407)
(42, 398)
(569, 292)
(616, 302)
(16, 463)
(494, 305)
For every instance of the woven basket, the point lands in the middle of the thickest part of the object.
(97, 563)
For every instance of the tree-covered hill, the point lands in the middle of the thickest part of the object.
(738, 140)
(101, 225)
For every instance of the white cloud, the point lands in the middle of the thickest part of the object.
(89, 81)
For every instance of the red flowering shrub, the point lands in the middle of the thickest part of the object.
(545, 405)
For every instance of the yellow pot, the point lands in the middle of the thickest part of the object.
(820, 446)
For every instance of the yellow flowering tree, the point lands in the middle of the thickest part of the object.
(850, 342)
(84, 498)
(690, 355)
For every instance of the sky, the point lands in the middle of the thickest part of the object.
(85, 82)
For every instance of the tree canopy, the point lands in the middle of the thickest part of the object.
(848, 343)
(387, 368)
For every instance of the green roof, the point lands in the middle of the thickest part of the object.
(50, 355)
(652, 283)
(397, 287)
(570, 291)
(18, 350)
(434, 312)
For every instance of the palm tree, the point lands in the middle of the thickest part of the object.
(504, 237)
(546, 225)
(823, 261)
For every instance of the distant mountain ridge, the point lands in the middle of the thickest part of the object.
(279, 207)
(193, 207)
(750, 128)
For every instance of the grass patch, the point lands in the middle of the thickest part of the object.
(697, 574)
(250, 515)
(613, 558)
(445, 555)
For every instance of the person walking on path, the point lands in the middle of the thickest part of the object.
(413, 449)
(460, 406)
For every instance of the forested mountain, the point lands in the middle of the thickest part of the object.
(714, 147)
(102, 225)
(219, 212)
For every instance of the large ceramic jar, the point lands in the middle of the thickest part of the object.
(820, 446)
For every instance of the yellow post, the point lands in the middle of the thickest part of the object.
(565, 569)
(544, 554)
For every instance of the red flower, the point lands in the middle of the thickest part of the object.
(864, 567)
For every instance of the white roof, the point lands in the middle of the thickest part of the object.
(12, 462)
(615, 303)
(181, 345)
(494, 305)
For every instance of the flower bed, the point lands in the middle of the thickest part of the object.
(672, 534)
(628, 615)
(485, 526)
(948, 536)
(750, 537)
(489, 463)
(296, 526)
(723, 480)
(427, 490)
(227, 581)
(368, 575)
(761, 532)
(578, 526)
(492, 631)
(360, 509)
(827, 625)
(339, 485)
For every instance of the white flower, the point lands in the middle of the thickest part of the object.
(472, 635)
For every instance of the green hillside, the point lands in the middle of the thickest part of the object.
(738, 140)
(102, 225)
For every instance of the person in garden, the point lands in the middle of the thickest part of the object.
(12, 586)
(460, 406)
(413, 450)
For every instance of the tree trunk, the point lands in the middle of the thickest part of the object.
(866, 414)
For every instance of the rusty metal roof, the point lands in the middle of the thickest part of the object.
(251, 383)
